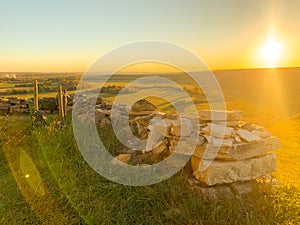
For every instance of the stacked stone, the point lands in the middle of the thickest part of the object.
(161, 131)
(233, 151)
(85, 110)
(14, 104)
(229, 155)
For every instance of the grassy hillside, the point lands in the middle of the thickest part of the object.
(44, 179)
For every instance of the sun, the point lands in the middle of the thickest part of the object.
(271, 52)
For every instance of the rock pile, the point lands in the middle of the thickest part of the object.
(229, 155)
(101, 111)
(244, 154)
(13, 104)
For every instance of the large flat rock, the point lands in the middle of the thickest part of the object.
(222, 172)
(238, 151)
(247, 135)
(225, 191)
(218, 130)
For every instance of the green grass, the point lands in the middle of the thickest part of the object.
(45, 180)
(4, 85)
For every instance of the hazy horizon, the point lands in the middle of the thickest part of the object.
(151, 72)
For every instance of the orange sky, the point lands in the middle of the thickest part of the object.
(51, 36)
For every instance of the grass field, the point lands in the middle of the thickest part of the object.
(45, 180)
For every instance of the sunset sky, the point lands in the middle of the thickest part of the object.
(61, 36)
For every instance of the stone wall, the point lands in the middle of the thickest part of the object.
(13, 104)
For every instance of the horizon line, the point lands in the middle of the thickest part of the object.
(145, 72)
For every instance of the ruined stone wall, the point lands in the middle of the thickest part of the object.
(13, 104)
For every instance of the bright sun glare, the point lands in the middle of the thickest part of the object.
(271, 52)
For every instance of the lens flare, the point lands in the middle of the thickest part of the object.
(271, 52)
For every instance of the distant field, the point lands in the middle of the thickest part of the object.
(5, 85)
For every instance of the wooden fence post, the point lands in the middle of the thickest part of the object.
(36, 96)
(65, 102)
(60, 103)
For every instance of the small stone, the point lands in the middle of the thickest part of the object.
(219, 131)
(238, 151)
(124, 158)
(247, 135)
(237, 139)
(225, 191)
(246, 126)
(4, 106)
(222, 142)
(257, 127)
(182, 127)
(261, 134)
(143, 105)
(161, 126)
(229, 123)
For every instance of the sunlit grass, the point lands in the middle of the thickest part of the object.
(74, 193)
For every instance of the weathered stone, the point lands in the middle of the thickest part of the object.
(182, 147)
(246, 126)
(143, 105)
(14, 101)
(182, 127)
(4, 106)
(257, 127)
(222, 142)
(157, 154)
(142, 130)
(108, 104)
(223, 191)
(219, 115)
(229, 123)
(237, 139)
(124, 158)
(156, 135)
(261, 134)
(221, 172)
(218, 130)
(238, 151)
(247, 135)
(161, 126)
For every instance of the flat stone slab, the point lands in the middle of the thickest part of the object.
(217, 130)
(239, 151)
(225, 191)
(219, 115)
(182, 127)
(247, 135)
(222, 172)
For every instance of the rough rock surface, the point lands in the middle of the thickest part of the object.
(220, 172)
(239, 151)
